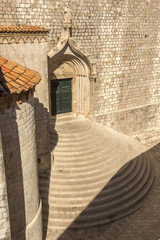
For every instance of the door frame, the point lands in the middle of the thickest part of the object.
(57, 80)
(65, 61)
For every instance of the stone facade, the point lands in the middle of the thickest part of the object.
(17, 124)
(111, 50)
(33, 55)
(120, 37)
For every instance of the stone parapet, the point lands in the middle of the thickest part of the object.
(132, 120)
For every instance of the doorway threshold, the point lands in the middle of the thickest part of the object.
(65, 117)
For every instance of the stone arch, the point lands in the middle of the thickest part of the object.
(29, 40)
(65, 61)
(43, 39)
(5, 40)
(21, 40)
(12, 40)
(36, 40)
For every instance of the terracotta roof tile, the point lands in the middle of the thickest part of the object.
(20, 82)
(15, 85)
(10, 76)
(27, 86)
(8, 85)
(10, 65)
(14, 74)
(5, 69)
(28, 74)
(23, 29)
(15, 78)
(8, 79)
(35, 79)
(24, 79)
(2, 60)
(19, 69)
(31, 84)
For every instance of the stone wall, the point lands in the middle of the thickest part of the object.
(17, 125)
(34, 56)
(132, 120)
(31, 55)
(4, 216)
(122, 37)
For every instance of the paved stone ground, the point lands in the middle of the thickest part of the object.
(144, 224)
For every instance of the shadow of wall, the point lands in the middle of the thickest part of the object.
(14, 175)
(46, 140)
(123, 195)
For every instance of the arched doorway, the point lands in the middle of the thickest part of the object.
(70, 81)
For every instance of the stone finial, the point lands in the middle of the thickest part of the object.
(67, 18)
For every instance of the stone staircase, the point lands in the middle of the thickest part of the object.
(98, 175)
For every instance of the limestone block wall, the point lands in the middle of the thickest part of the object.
(4, 215)
(17, 125)
(145, 117)
(122, 37)
(34, 55)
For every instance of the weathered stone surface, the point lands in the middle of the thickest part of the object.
(121, 38)
(17, 125)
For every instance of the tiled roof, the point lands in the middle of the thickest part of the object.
(23, 29)
(15, 78)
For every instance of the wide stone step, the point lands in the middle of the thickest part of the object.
(74, 129)
(84, 165)
(77, 139)
(93, 219)
(81, 145)
(112, 198)
(58, 224)
(98, 175)
(91, 156)
(71, 174)
(111, 190)
(114, 185)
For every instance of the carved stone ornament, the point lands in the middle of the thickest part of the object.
(68, 45)
(22, 38)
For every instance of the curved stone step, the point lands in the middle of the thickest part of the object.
(83, 158)
(93, 185)
(76, 145)
(64, 225)
(93, 219)
(112, 184)
(82, 167)
(94, 179)
(67, 174)
(110, 194)
(100, 173)
(79, 140)
(124, 173)
(119, 194)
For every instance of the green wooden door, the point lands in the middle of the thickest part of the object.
(61, 96)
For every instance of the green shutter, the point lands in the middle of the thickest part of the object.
(61, 96)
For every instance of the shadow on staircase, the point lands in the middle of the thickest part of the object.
(125, 196)
(46, 139)
(83, 194)
(44, 186)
